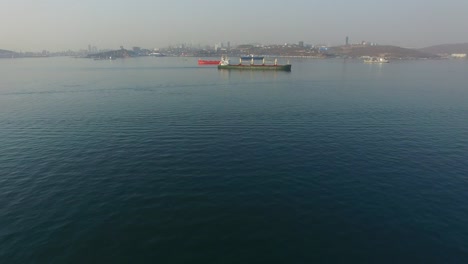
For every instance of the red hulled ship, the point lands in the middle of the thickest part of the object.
(208, 62)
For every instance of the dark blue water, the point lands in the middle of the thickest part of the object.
(156, 160)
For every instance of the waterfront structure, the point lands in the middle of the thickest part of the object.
(458, 55)
(376, 60)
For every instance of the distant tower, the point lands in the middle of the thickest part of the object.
(347, 41)
(301, 44)
(228, 45)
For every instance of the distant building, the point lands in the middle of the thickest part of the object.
(347, 41)
(301, 44)
(228, 45)
(92, 49)
(323, 49)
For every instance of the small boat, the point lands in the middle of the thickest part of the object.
(376, 60)
(226, 65)
(208, 62)
(251, 56)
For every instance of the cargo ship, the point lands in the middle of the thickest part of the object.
(208, 62)
(226, 65)
(251, 56)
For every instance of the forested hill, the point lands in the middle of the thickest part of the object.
(8, 54)
(447, 48)
(380, 51)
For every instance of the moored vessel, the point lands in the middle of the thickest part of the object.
(226, 65)
(208, 62)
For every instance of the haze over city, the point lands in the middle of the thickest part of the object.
(61, 25)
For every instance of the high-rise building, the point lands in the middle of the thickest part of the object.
(301, 44)
(347, 41)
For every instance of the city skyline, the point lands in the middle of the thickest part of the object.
(62, 25)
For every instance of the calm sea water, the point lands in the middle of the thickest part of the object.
(158, 160)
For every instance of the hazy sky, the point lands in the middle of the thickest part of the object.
(34, 25)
